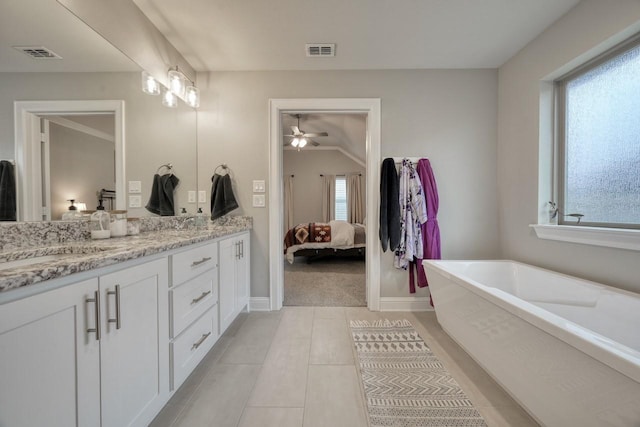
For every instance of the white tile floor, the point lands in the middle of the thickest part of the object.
(297, 367)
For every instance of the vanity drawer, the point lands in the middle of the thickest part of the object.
(190, 263)
(192, 345)
(189, 300)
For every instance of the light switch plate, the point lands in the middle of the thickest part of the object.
(202, 196)
(191, 196)
(258, 186)
(258, 201)
(135, 187)
(135, 201)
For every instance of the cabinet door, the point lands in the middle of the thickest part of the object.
(242, 273)
(228, 251)
(135, 344)
(49, 363)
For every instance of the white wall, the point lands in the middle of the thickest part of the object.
(306, 166)
(584, 31)
(154, 134)
(446, 115)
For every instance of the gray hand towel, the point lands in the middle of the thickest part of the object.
(223, 200)
(7, 191)
(161, 198)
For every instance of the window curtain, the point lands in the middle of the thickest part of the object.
(355, 209)
(288, 202)
(328, 197)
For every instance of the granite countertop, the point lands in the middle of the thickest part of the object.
(72, 257)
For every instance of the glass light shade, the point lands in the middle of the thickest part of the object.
(177, 83)
(302, 143)
(295, 142)
(169, 99)
(192, 96)
(150, 86)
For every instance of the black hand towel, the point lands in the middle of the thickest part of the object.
(161, 198)
(223, 200)
(7, 191)
(389, 205)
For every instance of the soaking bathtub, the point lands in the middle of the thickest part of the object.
(568, 350)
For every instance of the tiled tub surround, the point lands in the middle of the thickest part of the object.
(75, 252)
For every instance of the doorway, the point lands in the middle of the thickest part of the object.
(370, 108)
(324, 173)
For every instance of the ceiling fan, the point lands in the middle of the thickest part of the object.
(301, 138)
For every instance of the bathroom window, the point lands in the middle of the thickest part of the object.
(341, 198)
(598, 123)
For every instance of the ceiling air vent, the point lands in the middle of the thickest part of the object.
(38, 52)
(321, 49)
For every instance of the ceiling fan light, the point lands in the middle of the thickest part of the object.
(302, 143)
(295, 142)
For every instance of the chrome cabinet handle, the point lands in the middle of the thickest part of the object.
(117, 319)
(203, 260)
(204, 294)
(200, 341)
(96, 301)
(241, 248)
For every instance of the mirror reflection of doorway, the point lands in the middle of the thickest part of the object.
(78, 161)
(324, 180)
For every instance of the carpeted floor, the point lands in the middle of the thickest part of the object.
(329, 282)
(405, 384)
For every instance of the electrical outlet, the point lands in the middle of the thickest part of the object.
(135, 201)
(191, 196)
(259, 186)
(258, 201)
(135, 187)
(202, 196)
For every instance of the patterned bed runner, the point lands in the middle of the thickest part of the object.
(404, 382)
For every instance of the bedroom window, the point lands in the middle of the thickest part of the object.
(598, 122)
(341, 197)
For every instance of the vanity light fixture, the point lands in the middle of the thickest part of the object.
(192, 96)
(150, 86)
(177, 82)
(169, 99)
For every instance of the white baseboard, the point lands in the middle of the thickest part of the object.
(260, 304)
(405, 304)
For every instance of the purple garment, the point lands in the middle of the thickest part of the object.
(430, 229)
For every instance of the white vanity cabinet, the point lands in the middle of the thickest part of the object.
(194, 308)
(89, 353)
(134, 352)
(234, 277)
(49, 363)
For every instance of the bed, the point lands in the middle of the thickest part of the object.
(317, 239)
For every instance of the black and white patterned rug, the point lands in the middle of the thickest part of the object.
(404, 382)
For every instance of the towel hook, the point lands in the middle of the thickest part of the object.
(169, 167)
(223, 166)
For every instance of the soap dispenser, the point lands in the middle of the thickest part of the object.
(99, 224)
(201, 219)
(72, 212)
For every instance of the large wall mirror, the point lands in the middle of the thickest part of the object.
(79, 154)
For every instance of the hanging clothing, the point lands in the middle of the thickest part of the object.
(430, 229)
(223, 200)
(7, 191)
(161, 198)
(389, 210)
(413, 213)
